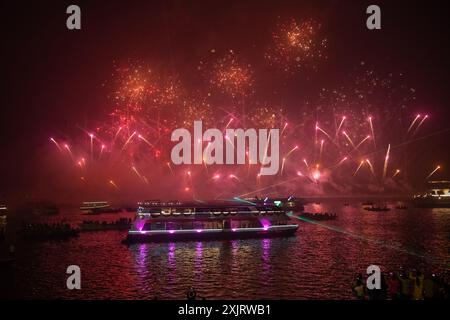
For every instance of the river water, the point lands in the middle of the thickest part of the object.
(320, 262)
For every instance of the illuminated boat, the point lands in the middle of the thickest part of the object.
(194, 221)
(437, 195)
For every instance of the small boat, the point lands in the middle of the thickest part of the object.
(321, 216)
(378, 208)
(98, 207)
(367, 203)
(401, 206)
(46, 209)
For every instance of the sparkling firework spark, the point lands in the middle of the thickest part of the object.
(386, 160)
(433, 172)
(231, 76)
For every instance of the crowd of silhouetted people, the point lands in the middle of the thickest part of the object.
(404, 285)
(48, 230)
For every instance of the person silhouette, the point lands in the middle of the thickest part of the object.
(191, 294)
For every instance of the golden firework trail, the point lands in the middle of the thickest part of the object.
(386, 160)
(359, 167)
(433, 172)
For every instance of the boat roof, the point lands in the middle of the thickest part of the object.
(197, 204)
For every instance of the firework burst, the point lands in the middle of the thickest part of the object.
(296, 45)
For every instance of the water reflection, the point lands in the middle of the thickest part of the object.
(319, 262)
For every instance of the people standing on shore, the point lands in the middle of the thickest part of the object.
(394, 286)
(358, 287)
(418, 286)
(413, 285)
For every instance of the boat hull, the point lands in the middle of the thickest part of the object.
(215, 234)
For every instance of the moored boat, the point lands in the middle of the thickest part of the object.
(120, 224)
(378, 208)
(436, 196)
(318, 216)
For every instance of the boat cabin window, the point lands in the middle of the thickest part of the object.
(173, 226)
(187, 226)
(154, 226)
(158, 226)
(198, 225)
